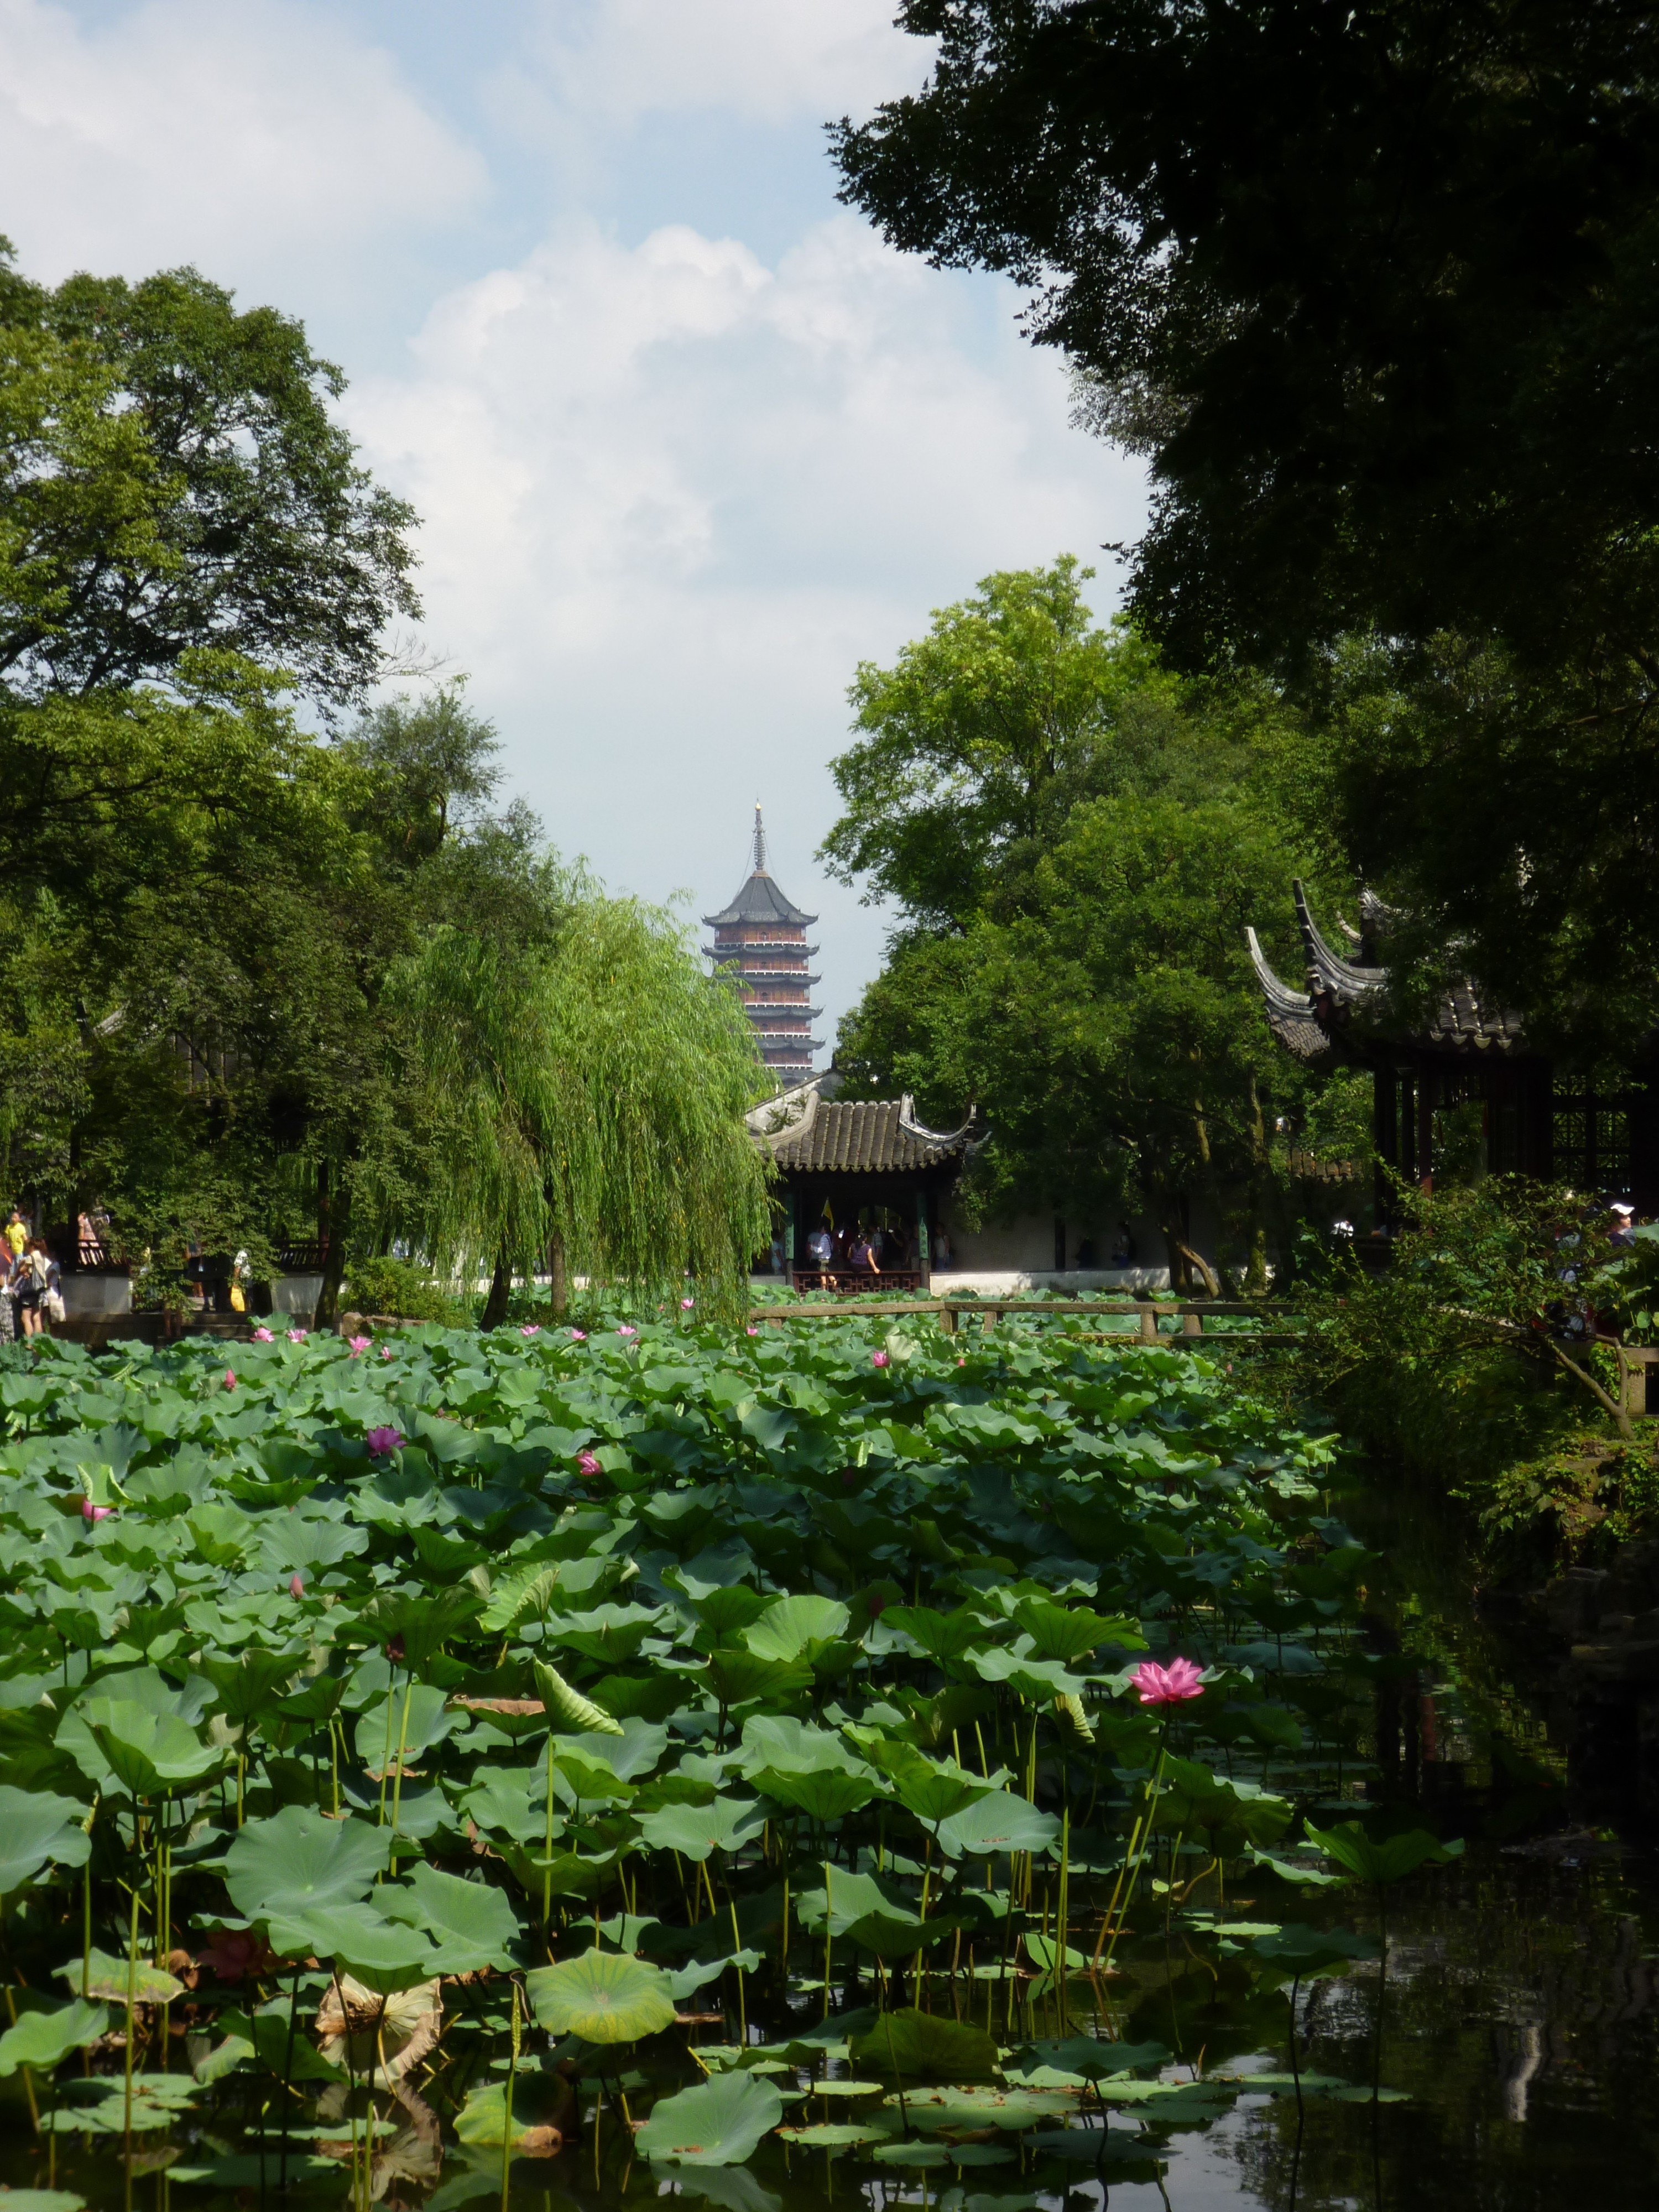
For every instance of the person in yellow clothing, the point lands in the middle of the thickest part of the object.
(17, 1233)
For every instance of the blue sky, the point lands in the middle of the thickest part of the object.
(687, 440)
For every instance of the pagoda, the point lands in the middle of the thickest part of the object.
(761, 938)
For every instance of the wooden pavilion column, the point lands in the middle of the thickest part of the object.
(924, 1249)
(1427, 1087)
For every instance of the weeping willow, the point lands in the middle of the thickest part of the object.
(582, 1103)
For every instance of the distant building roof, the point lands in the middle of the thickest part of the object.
(760, 899)
(855, 1136)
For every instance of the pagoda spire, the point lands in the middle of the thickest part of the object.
(760, 841)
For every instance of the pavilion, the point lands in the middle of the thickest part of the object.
(842, 1161)
(1467, 1050)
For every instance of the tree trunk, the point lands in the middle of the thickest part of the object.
(333, 1220)
(501, 1286)
(558, 1281)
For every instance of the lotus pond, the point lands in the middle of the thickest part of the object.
(832, 1759)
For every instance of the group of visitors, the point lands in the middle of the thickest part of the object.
(31, 1285)
(869, 1247)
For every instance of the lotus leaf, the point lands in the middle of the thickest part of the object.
(471, 1923)
(149, 1754)
(922, 2046)
(794, 1627)
(996, 1822)
(718, 2123)
(601, 1996)
(297, 1860)
(36, 1829)
(45, 2039)
(820, 1793)
(568, 1707)
(694, 1831)
(108, 1978)
(1380, 1860)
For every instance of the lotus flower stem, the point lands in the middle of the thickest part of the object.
(403, 1740)
(547, 1852)
(828, 1938)
(737, 1945)
(132, 1998)
(386, 1762)
(507, 2096)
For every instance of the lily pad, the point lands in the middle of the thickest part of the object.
(718, 2123)
(923, 2047)
(603, 1996)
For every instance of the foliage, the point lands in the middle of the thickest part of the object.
(1398, 407)
(588, 1092)
(1471, 1359)
(173, 481)
(398, 1287)
(287, 1686)
(1361, 383)
(1106, 834)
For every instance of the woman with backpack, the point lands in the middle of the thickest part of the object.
(31, 1281)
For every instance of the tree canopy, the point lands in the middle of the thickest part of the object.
(1079, 969)
(175, 484)
(211, 915)
(1371, 289)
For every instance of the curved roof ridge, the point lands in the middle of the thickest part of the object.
(1343, 978)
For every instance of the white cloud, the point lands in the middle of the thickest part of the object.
(672, 495)
(259, 140)
(766, 60)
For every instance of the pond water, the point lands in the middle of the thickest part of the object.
(1519, 2019)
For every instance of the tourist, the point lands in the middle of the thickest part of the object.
(1622, 1229)
(943, 1255)
(1123, 1250)
(30, 1276)
(17, 1234)
(858, 1254)
(821, 1246)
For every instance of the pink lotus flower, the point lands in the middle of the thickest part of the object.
(91, 1512)
(686, 1305)
(296, 1585)
(531, 1328)
(879, 1359)
(751, 1331)
(358, 1346)
(232, 1952)
(298, 1335)
(394, 1650)
(385, 1352)
(587, 1463)
(625, 1331)
(1168, 1685)
(382, 1440)
(230, 1378)
(264, 1336)
(579, 1336)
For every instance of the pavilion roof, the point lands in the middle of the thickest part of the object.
(1343, 988)
(862, 1137)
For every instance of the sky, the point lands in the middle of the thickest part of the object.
(688, 441)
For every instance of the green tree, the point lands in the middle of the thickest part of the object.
(172, 481)
(983, 734)
(584, 1098)
(1371, 289)
(1111, 1032)
(1075, 839)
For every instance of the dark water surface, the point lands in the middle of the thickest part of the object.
(1519, 2018)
